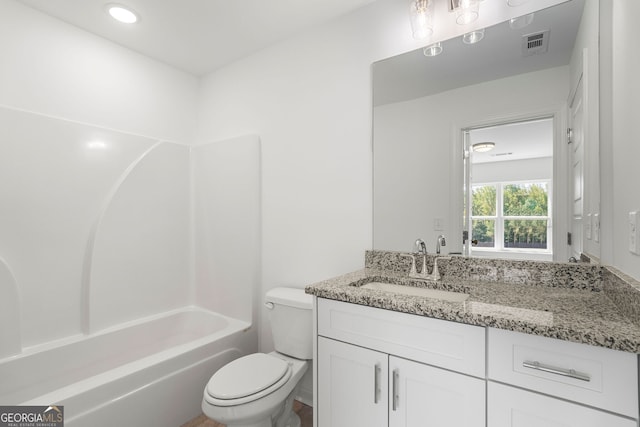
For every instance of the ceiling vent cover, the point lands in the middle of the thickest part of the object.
(533, 44)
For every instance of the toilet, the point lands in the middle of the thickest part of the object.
(258, 390)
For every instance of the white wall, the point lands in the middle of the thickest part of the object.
(513, 170)
(309, 100)
(102, 194)
(585, 62)
(94, 213)
(227, 234)
(623, 172)
(53, 68)
(413, 141)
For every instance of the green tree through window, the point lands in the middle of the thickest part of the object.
(514, 214)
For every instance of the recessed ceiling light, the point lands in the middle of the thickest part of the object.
(122, 13)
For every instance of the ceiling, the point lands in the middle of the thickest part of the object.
(198, 36)
(515, 141)
(413, 75)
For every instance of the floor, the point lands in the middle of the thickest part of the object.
(304, 412)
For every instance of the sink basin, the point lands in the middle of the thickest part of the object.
(419, 292)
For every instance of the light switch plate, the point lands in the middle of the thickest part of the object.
(634, 232)
(588, 226)
(437, 224)
(596, 228)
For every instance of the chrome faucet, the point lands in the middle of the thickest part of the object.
(440, 242)
(421, 249)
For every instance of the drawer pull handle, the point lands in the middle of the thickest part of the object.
(376, 383)
(571, 373)
(396, 379)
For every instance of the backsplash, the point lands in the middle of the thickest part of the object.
(624, 291)
(534, 273)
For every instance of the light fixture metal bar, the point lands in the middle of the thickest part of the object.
(453, 4)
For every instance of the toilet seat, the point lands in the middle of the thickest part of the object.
(247, 379)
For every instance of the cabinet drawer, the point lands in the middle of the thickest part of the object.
(595, 376)
(512, 407)
(440, 343)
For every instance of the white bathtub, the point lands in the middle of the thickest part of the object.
(145, 373)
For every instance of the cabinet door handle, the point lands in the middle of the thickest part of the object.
(396, 379)
(571, 373)
(376, 383)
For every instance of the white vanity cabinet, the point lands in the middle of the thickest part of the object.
(535, 381)
(384, 368)
(423, 395)
(513, 407)
(378, 367)
(353, 390)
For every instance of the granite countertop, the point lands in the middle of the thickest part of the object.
(586, 316)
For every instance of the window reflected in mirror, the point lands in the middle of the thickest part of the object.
(511, 182)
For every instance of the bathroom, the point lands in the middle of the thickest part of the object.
(293, 120)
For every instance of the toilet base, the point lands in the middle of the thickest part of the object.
(293, 421)
(288, 418)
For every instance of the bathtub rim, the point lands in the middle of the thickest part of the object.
(68, 391)
(79, 337)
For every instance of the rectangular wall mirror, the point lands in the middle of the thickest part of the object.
(429, 111)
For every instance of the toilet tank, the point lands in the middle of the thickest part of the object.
(291, 321)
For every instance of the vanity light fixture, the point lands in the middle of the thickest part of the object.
(421, 15)
(433, 50)
(473, 37)
(122, 13)
(466, 11)
(483, 147)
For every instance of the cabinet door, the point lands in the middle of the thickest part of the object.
(513, 407)
(352, 385)
(422, 395)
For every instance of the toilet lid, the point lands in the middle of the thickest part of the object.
(246, 376)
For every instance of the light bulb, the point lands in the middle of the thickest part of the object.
(421, 16)
(467, 11)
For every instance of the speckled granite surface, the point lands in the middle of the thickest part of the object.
(571, 302)
(534, 273)
(624, 291)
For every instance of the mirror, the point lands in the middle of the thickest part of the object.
(423, 107)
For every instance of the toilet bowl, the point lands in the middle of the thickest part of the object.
(258, 390)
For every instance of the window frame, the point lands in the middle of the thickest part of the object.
(499, 219)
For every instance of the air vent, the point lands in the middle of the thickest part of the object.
(500, 154)
(533, 44)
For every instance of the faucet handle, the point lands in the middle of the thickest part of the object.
(435, 274)
(412, 272)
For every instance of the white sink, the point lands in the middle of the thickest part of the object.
(415, 291)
